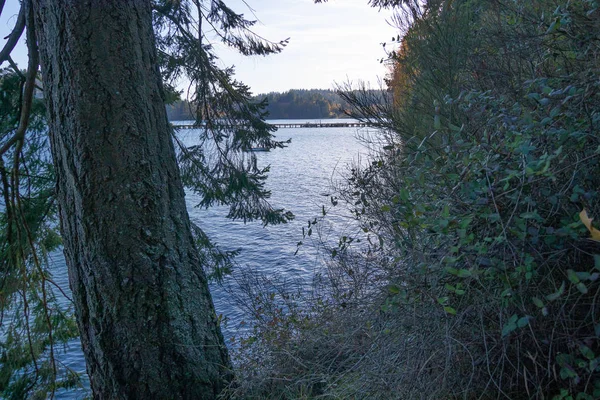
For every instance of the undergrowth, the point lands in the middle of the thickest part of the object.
(480, 278)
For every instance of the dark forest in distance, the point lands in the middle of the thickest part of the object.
(293, 104)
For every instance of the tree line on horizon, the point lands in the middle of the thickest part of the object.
(292, 104)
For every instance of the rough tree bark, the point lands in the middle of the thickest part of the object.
(147, 321)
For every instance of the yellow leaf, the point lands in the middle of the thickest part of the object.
(587, 221)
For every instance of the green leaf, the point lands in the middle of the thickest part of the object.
(572, 276)
(523, 321)
(582, 288)
(508, 328)
(587, 352)
(465, 222)
(404, 195)
(446, 212)
(584, 276)
(554, 26)
(450, 310)
(455, 128)
(393, 289)
(557, 294)
(567, 372)
(562, 359)
(583, 396)
(531, 215)
(464, 273)
(538, 303)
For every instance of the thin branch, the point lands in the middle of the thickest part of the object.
(14, 36)
(8, 210)
(15, 68)
(32, 69)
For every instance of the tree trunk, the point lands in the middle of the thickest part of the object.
(146, 318)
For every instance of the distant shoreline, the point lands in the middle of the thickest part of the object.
(293, 104)
(292, 123)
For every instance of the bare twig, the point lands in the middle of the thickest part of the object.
(14, 36)
(32, 68)
(15, 68)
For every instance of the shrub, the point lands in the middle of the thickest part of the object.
(475, 214)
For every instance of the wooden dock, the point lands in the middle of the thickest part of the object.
(297, 125)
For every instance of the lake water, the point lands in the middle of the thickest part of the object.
(300, 176)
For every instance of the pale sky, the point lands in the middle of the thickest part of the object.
(337, 41)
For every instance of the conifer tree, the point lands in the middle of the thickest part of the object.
(112, 182)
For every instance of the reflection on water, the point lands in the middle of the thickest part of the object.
(300, 175)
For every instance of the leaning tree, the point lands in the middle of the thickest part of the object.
(112, 182)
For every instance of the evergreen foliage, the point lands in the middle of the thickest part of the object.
(34, 326)
(34, 323)
(218, 166)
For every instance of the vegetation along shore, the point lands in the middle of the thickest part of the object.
(472, 270)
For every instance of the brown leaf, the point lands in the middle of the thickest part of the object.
(587, 221)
